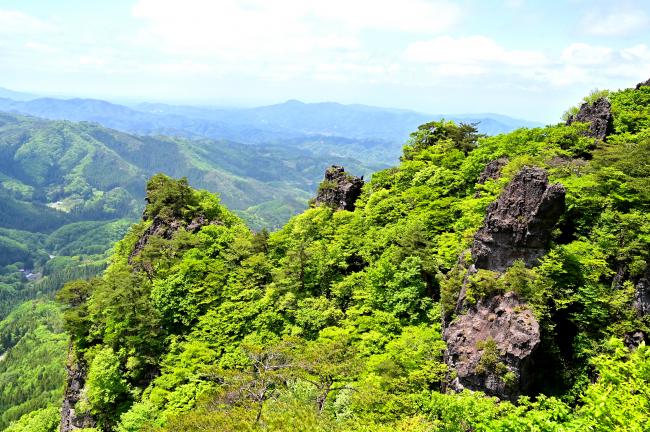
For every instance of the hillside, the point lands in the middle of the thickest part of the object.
(94, 172)
(484, 283)
(32, 360)
(69, 191)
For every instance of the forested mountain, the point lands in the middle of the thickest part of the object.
(93, 172)
(379, 131)
(68, 191)
(484, 283)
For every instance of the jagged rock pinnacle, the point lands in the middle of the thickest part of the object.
(339, 189)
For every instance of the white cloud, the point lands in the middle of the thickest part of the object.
(233, 29)
(469, 50)
(446, 58)
(41, 47)
(16, 23)
(404, 15)
(584, 54)
(615, 23)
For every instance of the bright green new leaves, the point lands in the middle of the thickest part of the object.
(334, 321)
(107, 392)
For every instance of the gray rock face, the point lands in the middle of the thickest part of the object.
(599, 117)
(490, 347)
(76, 378)
(643, 84)
(633, 339)
(339, 189)
(166, 229)
(519, 223)
(642, 294)
(492, 170)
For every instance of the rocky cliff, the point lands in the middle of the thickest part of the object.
(491, 344)
(519, 223)
(165, 229)
(75, 380)
(643, 84)
(339, 189)
(492, 170)
(642, 293)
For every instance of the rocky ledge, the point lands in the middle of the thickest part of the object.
(643, 84)
(166, 229)
(492, 170)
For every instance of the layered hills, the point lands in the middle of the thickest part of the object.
(324, 128)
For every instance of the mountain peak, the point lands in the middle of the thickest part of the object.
(295, 102)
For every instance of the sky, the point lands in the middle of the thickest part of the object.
(524, 58)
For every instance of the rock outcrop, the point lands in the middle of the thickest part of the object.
(490, 347)
(339, 189)
(519, 223)
(492, 170)
(643, 84)
(633, 339)
(491, 344)
(75, 380)
(165, 229)
(642, 293)
(599, 116)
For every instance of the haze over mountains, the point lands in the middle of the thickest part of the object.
(380, 132)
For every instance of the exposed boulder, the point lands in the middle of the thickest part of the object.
(339, 189)
(492, 170)
(643, 84)
(599, 116)
(633, 339)
(518, 224)
(490, 347)
(75, 381)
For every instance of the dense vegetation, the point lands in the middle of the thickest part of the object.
(93, 173)
(32, 352)
(69, 191)
(334, 321)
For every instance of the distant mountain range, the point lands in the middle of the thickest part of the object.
(18, 96)
(323, 128)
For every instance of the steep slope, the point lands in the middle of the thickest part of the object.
(32, 353)
(367, 320)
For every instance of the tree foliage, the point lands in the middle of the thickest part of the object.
(334, 321)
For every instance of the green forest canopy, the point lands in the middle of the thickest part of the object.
(333, 322)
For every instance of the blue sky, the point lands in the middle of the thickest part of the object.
(524, 58)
